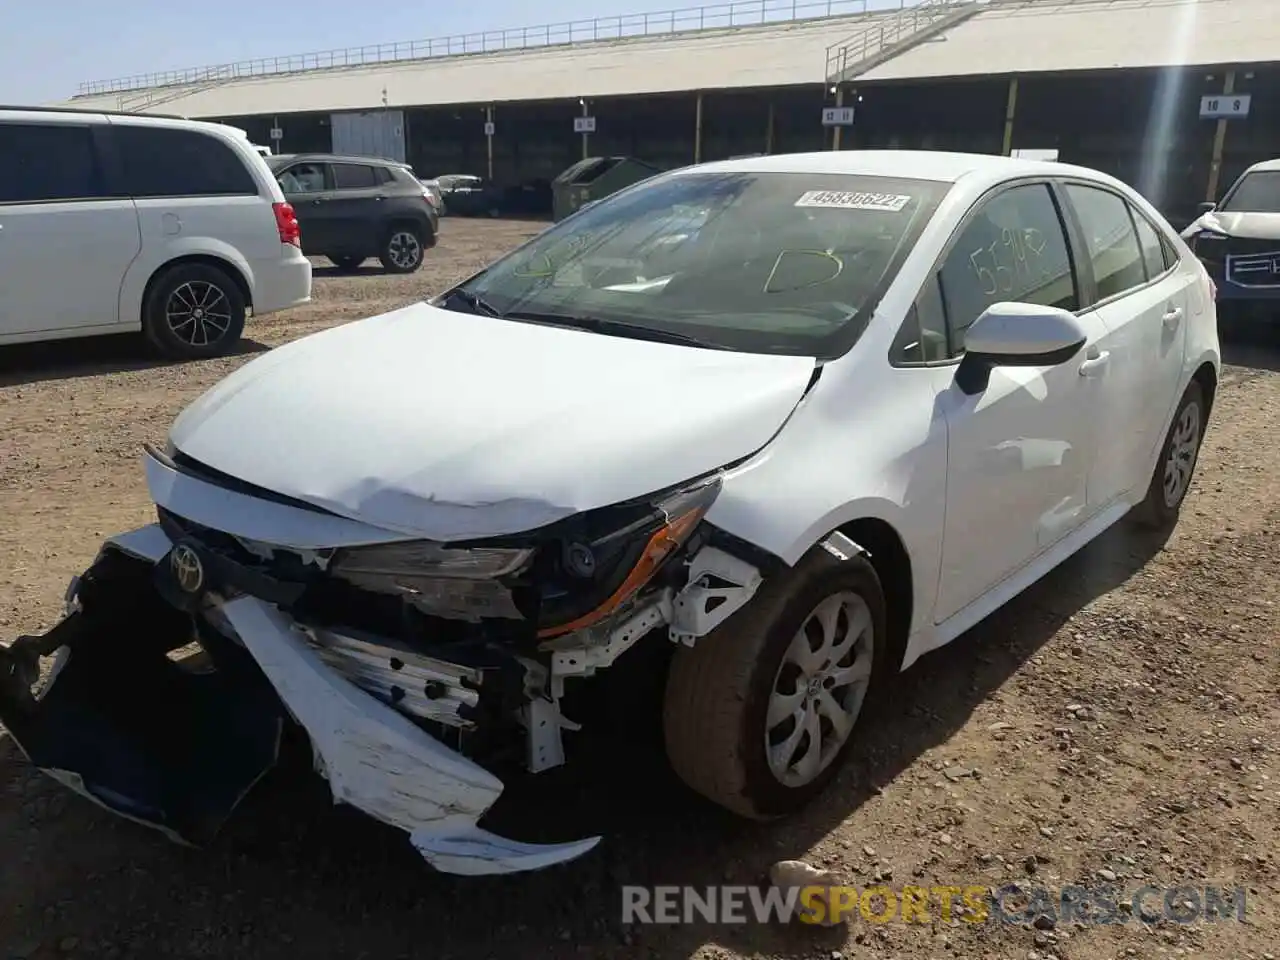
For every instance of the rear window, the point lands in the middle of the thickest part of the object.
(48, 162)
(1257, 192)
(169, 162)
(353, 176)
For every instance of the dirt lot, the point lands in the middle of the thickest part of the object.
(1118, 723)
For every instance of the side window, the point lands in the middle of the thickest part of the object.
(1153, 245)
(170, 162)
(1108, 235)
(923, 337)
(1170, 253)
(303, 178)
(1013, 249)
(353, 176)
(48, 162)
(384, 175)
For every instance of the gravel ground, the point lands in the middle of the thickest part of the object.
(1118, 723)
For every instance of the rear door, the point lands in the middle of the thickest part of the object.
(1143, 303)
(358, 203)
(66, 236)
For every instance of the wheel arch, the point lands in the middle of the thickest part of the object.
(421, 226)
(232, 270)
(1207, 376)
(891, 560)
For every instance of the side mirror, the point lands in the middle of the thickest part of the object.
(1017, 335)
(1207, 207)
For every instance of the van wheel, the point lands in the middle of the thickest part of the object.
(1172, 476)
(759, 713)
(402, 251)
(194, 311)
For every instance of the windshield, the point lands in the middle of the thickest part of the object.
(757, 262)
(1257, 192)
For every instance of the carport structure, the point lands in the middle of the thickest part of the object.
(1175, 96)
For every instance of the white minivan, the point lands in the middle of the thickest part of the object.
(112, 223)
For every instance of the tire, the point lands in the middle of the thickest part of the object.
(1175, 468)
(193, 311)
(347, 264)
(718, 692)
(402, 250)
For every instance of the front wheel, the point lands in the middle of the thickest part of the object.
(194, 311)
(759, 713)
(402, 251)
(1171, 479)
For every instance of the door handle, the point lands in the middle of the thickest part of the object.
(1172, 317)
(1096, 364)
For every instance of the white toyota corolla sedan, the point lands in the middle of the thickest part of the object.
(796, 420)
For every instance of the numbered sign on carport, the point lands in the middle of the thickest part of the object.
(584, 124)
(837, 116)
(1225, 107)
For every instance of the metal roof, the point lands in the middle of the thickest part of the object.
(1047, 36)
(767, 56)
(1007, 36)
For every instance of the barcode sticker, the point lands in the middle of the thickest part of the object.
(838, 200)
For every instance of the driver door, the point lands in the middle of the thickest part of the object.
(1020, 450)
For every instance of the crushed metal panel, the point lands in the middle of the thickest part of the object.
(378, 761)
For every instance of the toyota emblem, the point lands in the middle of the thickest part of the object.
(187, 569)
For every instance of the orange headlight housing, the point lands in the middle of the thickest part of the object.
(681, 513)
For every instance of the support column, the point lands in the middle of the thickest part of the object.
(768, 130)
(488, 135)
(697, 130)
(835, 131)
(586, 112)
(1010, 111)
(1219, 142)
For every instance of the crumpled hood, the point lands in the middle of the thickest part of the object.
(1247, 226)
(451, 426)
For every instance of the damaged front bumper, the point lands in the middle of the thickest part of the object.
(159, 741)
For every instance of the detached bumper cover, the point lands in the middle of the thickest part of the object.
(153, 741)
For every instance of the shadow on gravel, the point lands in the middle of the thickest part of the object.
(294, 876)
(88, 357)
(370, 268)
(1250, 344)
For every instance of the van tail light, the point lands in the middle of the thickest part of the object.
(287, 224)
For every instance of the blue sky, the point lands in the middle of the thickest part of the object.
(48, 47)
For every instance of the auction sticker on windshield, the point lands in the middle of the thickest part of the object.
(838, 200)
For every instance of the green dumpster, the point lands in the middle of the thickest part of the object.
(593, 179)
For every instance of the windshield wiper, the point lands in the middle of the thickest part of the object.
(474, 302)
(619, 328)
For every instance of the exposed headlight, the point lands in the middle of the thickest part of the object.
(442, 581)
(423, 558)
(634, 552)
(573, 574)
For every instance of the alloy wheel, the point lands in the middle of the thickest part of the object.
(819, 689)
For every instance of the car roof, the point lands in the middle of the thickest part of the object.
(340, 158)
(938, 165)
(1268, 165)
(4, 107)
